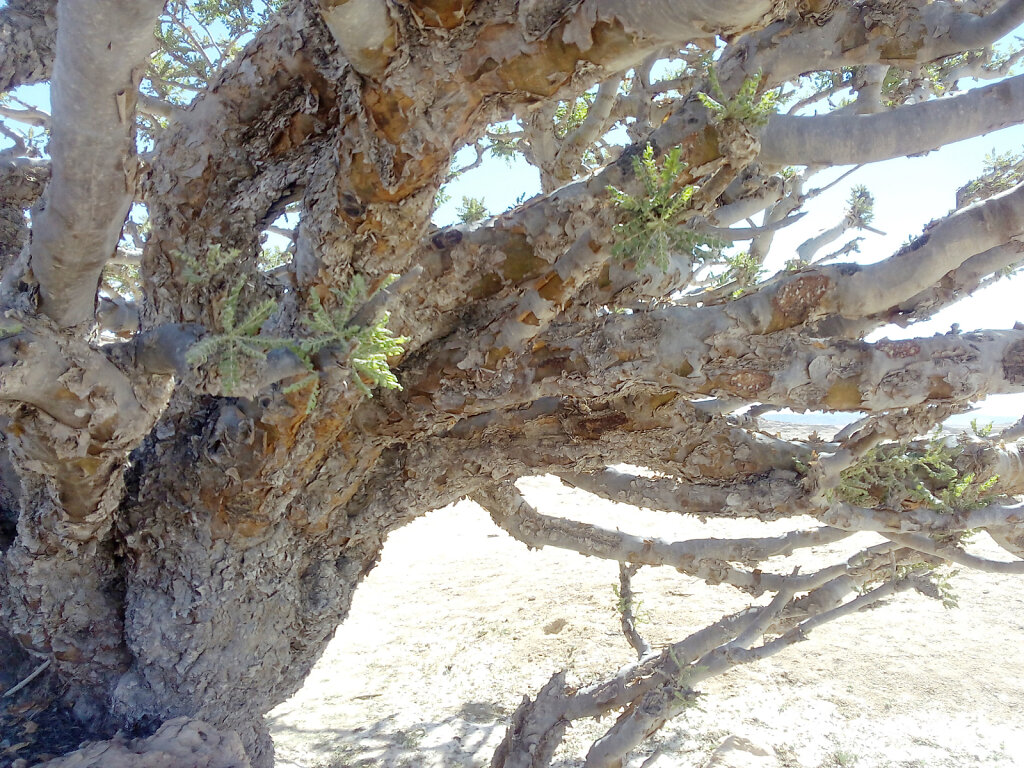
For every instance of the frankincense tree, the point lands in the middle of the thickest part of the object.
(206, 438)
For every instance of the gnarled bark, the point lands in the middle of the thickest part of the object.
(191, 529)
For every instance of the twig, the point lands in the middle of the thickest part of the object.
(736, 234)
(379, 302)
(627, 614)
(35, 673)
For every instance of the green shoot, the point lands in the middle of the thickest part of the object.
(895, 476)
(472, 210)
(649, 230)
(368, 347)
(860, 206)
(200, 270)
(236, 340)
(745, 107)
(8, 329)
(742, 268)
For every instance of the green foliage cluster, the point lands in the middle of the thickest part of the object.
(196, 37)
(500, 147)
(33, 139)
(829, 80)
(742, 269)
(10, 328)
(649, 229)
(745, 107)
(367, 348)
(471, 210)
(1000, 172)
(622, 605)
(272, 256)
(923, 474)
(441, 197)
(237, 340)
(569, 115)
(198, 271)
(124, 279)
(860, 206)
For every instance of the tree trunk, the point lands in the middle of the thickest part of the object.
(182, 540)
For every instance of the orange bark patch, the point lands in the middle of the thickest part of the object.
(547, 365)
(488, 285)
(843, 395)
(663, 399)
(793, 303)
(389, 109)
(592, 427)
(520, 258)
(550, 288)
(700, 148)
(495, 355)
(300, 127)
(939, 388)
(503, 61)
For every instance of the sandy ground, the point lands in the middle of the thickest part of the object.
(459, 621)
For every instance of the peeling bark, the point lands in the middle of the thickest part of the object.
(183, 550)
(28, 41)
(21, 185)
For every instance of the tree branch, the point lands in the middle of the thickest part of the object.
(909, 130)
(769, 498)
(915, 32)
(703, 558)
(886, 521)
(94, 91)
(955, 554)
(655, 707)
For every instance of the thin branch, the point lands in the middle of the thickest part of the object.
(704, 558)
(884, 521)
(627, 610)
(676, 688)
(156, 107)
(35, 673)
(380, 301)
(196, 45)
(955, 554)
(593, 125)
(738, 234)
(27, 115)
(775, 496)
(821, 190)
(766, 616)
